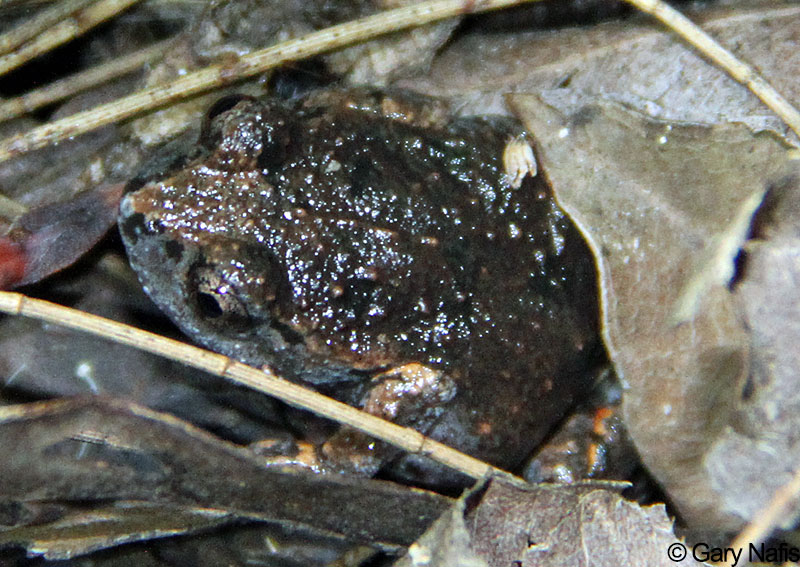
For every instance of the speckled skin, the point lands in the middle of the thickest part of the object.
(350, 232)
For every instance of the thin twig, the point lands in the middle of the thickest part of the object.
(79, 82)
(723, 58)
(246, 66)
(64, 31)
(261, 380)
(18, 35)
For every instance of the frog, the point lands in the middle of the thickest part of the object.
(375, 246)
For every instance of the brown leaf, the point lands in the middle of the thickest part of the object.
(95, 449)
(447, 543)
(762, 452)
(69, 194)
(547, 525)
(653, 198)
(83, 532)
(637, 62)
(69, 208)
(582, 524)
(54, 235)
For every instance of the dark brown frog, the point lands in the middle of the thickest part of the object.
(367, 243)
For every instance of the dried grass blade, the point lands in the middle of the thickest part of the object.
(773, 514)
(39, 23)
(723, 58)
(262, 380)
(79, 82)
(246, 66)
(64, 31)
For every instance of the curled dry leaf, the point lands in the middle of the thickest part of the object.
(761, 452)
(652, 199)
(102, 450)
(505, 523)
(70, 195)
(643, 66)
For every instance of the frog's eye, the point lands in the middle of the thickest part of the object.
(216, 301)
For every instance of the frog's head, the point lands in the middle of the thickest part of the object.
(243, 270)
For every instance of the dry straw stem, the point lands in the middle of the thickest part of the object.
(246, 66)
(723, 58)
(39, 23)
(347, 34)
(260, 380)
(80, 82)
(64, 31)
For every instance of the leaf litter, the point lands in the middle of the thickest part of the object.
(500, 523)
(633, 62)
(92, 449)
(702, 412)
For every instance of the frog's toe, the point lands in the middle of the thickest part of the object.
(518, 161)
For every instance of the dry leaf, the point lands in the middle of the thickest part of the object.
(762, 451)
(644, 66)
(83, 532)
(584, 524)
(99, 450)
(71, 195)
(652, 199)
(70, 192)
(577, 525)
(72, 531)
(447, 543)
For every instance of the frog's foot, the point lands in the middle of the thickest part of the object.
(300, 455)
(518, 161)
(591, 444)
(409, 395)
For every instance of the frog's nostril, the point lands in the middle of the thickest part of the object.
(135, 225)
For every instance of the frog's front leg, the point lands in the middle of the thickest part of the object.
(412, 395)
